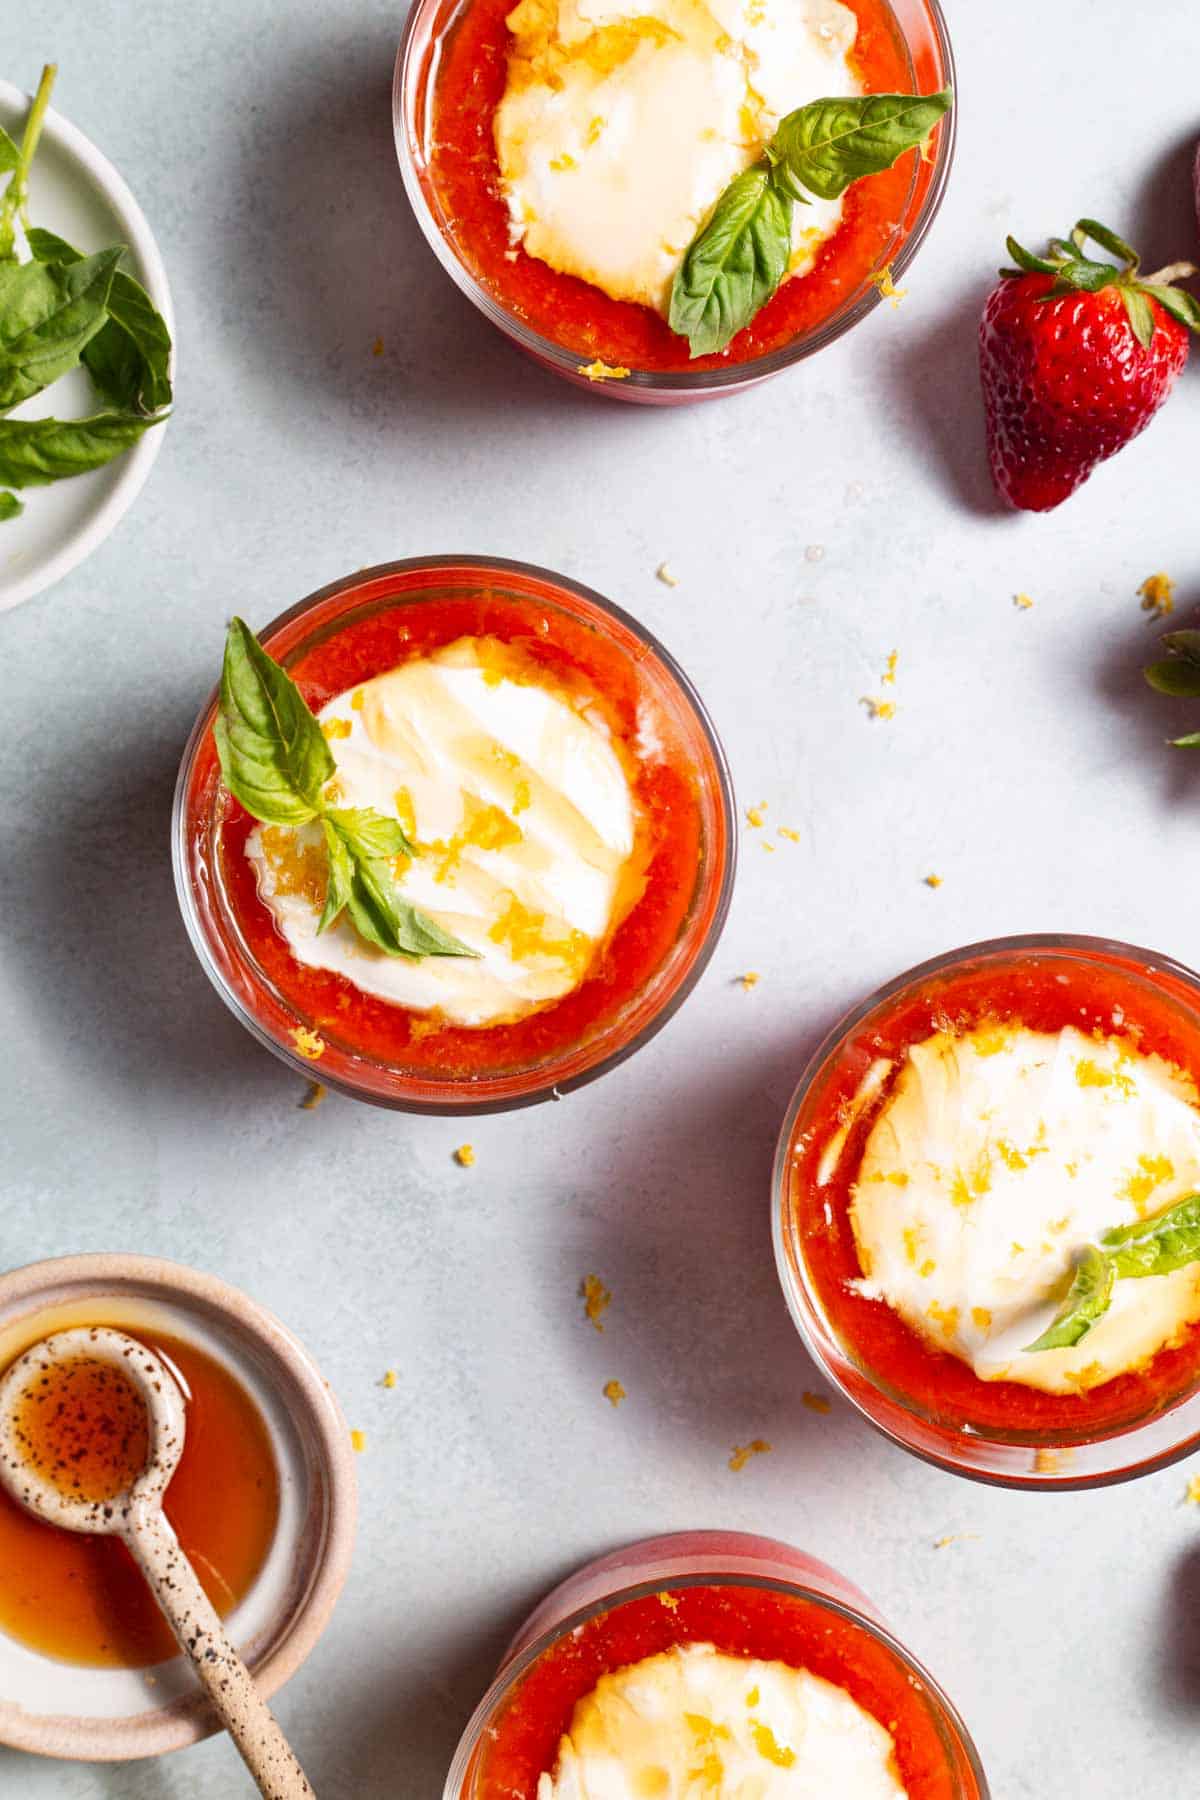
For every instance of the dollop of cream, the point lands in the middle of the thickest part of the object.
(517, 796)
(997, 1156)
(695, 1722)
(623, 121)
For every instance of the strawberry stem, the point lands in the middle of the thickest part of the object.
(1178, 271)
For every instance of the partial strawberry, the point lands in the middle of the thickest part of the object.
(1076, 357)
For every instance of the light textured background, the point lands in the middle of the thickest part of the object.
(1025, 765)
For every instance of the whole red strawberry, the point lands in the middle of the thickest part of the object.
(1076, 358)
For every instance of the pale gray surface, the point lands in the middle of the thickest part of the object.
(1025, 766)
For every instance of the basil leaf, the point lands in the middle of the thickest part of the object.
(1159, 1245)
(10, 506)
(47, 317)
(825, 146)
(1088, 1299)
(1175, 675)
(1190, 742)
(34, 452)
(10, 156)
(374, 834)
(274, 757)
(341, 879)
(129, 359)
(735, 263)
(380, 913)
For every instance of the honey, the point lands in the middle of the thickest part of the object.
(82, 1426)
(81, 1598)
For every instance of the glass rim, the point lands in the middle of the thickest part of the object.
(681, 382)
(458, 1101)
(798, 1301)
(512, 1671)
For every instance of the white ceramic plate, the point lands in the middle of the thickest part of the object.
(76, 192)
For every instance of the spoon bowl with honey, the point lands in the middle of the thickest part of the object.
(92, 1427)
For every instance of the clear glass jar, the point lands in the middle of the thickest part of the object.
(1118, 1430)
(258, 1000)
(922, 29)
(730, 1561)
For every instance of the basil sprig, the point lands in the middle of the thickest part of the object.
(1088, 1299)
(739, 257)
(1156, 1246)
(129, 357)
(57, 311)
(275, 760)
(10, 506)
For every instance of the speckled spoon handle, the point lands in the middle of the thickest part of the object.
(193, 1618)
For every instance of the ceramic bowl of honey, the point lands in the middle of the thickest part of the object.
(263, 1502)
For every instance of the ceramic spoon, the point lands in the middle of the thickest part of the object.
(135, 1515)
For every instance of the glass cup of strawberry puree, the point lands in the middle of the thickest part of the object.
(925, 1399)
(747, 1596)
(660, 939)
(450, 76)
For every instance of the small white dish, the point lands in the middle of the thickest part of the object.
(76, 192)
(112, 1714)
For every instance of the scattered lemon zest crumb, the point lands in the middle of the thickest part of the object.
(1158, 595)
(313, 1097)
(377, 347)
(1049, 1461)
(614, 1393)
(956, 1537)
(308, 1043)
(389, 1378)
(756, 816)
(336, 728)
(793, 837)
(888, 678)
(359, 1440)
(1023, 602)
(602, 371)
(596, 1299)
(670, 1601)
(1193, 1490)
(464, 1156)
(933, 881)
(817, 1403)
(750, 979)
(769, 848)
(878, 709)
(665, 576)
(743, 1452)
(887, 287)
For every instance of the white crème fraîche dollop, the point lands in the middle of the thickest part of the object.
(695, 1722)
(523, 814)
(623, 122)
(997, 1156)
